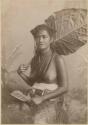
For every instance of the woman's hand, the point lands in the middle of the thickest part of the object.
(37, 100)
(22, 68)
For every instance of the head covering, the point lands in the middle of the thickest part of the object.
(38, 28)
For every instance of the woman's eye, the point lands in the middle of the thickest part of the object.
(44, 37)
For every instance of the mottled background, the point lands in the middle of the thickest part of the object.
(18, 18)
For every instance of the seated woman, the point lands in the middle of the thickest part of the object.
(48, 75)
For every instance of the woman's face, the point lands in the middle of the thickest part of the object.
(43, 40)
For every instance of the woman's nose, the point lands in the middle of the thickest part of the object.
(41, 39)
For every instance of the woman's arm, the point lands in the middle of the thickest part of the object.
(22, 71)
(61, 79)
(24, 77)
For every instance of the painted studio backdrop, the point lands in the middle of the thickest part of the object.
(18, 18)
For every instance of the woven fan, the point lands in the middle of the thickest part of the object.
(20, 96)
(71, 30)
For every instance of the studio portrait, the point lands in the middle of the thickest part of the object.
(44, 61)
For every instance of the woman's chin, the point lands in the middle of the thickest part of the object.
(42, 48)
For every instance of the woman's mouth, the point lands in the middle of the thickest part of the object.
(41, 44)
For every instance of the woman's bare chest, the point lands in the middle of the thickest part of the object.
(50, 75)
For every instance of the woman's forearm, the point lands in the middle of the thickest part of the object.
(55, 93)
(25, 78)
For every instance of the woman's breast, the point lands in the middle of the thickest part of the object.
(51, 75)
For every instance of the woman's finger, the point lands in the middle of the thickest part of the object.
(23, 67)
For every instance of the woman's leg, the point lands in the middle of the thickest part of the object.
(51, 112)
(46, 113)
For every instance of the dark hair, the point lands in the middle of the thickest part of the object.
(36, 30)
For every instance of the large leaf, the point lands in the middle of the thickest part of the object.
(71, 30)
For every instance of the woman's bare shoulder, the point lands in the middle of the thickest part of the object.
(58, 58)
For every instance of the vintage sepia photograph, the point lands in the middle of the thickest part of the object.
(44, 61)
